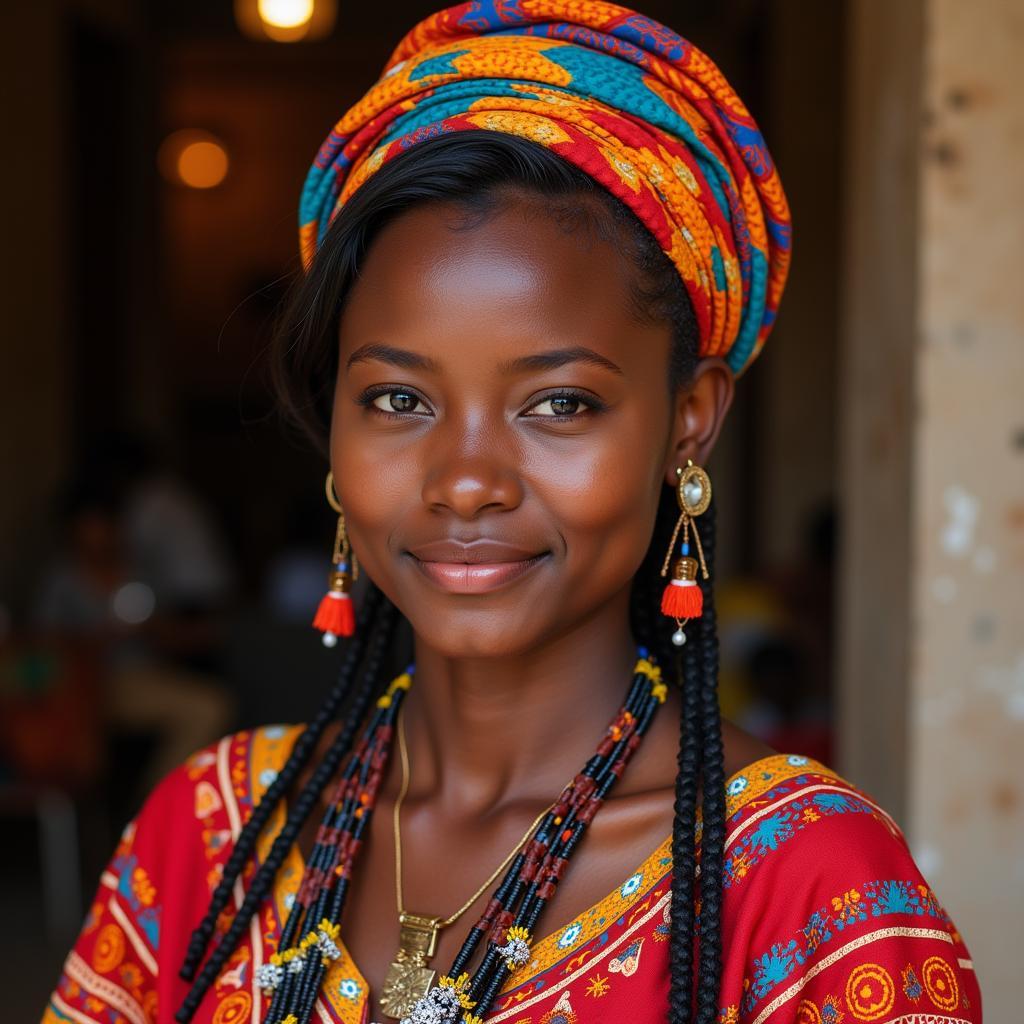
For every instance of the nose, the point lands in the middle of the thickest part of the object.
(471, 475)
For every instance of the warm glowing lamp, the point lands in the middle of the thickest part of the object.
(193, 158)
(285, 13)
(285, 21)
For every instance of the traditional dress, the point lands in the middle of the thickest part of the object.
(827, 918)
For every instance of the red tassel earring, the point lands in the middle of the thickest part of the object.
(335, 617)
(682, 599)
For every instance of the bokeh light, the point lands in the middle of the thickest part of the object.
(193, 158)
(286, 21)
(285, 13)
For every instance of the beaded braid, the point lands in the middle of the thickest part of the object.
(384, 621)
(533, 877)
(295, 971)
(301, 752)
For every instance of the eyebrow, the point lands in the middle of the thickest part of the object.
(551, 360)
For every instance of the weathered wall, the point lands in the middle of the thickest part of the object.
(939, 208)
(966, 750)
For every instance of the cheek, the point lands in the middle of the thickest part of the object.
(377, 488)
(603, 495)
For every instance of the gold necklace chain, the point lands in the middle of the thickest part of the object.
(404, 753)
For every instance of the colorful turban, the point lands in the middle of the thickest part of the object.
(635, 106)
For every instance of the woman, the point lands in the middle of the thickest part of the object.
(538, 253)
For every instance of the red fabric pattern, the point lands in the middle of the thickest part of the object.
(827, 918)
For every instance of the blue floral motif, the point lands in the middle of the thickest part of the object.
(770, 832)
(911, 986)
(796, 760)
(631, 885)
(267, 777)
(815, 932)
(274, 732)
(570, 935)
(836, 802)
(773, 967)
(737, 785)
(896, 898)
(349, 989)
(830, 1012)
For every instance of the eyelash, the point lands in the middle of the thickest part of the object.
(591, 403)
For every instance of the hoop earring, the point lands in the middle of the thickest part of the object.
(335, 616)
(682, 599)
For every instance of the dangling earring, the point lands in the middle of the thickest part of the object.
(335, 616)
(682, 599)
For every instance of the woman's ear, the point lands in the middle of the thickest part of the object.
(699, 408)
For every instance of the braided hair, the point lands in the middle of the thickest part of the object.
(479, 171)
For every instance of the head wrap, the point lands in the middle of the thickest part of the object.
(634, 105)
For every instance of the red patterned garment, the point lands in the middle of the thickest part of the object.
(827, 919)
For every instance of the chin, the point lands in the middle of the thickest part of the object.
(483, 635)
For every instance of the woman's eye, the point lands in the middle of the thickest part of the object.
(397, 401)
(562, 406)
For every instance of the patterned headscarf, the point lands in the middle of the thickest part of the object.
(627, 100)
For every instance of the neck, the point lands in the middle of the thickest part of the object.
(483, 731)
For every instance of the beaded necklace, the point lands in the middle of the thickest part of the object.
(308, 941)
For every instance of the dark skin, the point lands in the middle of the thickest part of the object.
(448, 426)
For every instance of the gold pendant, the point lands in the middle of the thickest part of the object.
(409, 978)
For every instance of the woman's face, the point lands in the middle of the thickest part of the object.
(502, 426)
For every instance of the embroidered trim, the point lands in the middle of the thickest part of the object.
(764, 832)
(838, 954)
(78, 970)
(583, 968)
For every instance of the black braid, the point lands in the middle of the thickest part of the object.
(684, 860)
(382, 630)
(713, 795)
(301, 753)
(700, 761)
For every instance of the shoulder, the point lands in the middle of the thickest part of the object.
(211, 795)
(825, 910)
(791, 805)
(197, 810)
(158, 881)
(170, 856)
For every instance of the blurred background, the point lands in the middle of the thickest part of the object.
(164, 541)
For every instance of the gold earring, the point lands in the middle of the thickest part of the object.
(335, 616)
(682, 599)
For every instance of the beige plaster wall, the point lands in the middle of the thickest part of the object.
(966, 736)
(933, 455)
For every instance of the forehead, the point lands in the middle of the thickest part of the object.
(520, 272)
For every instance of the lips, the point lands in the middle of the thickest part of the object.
(476, 567)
